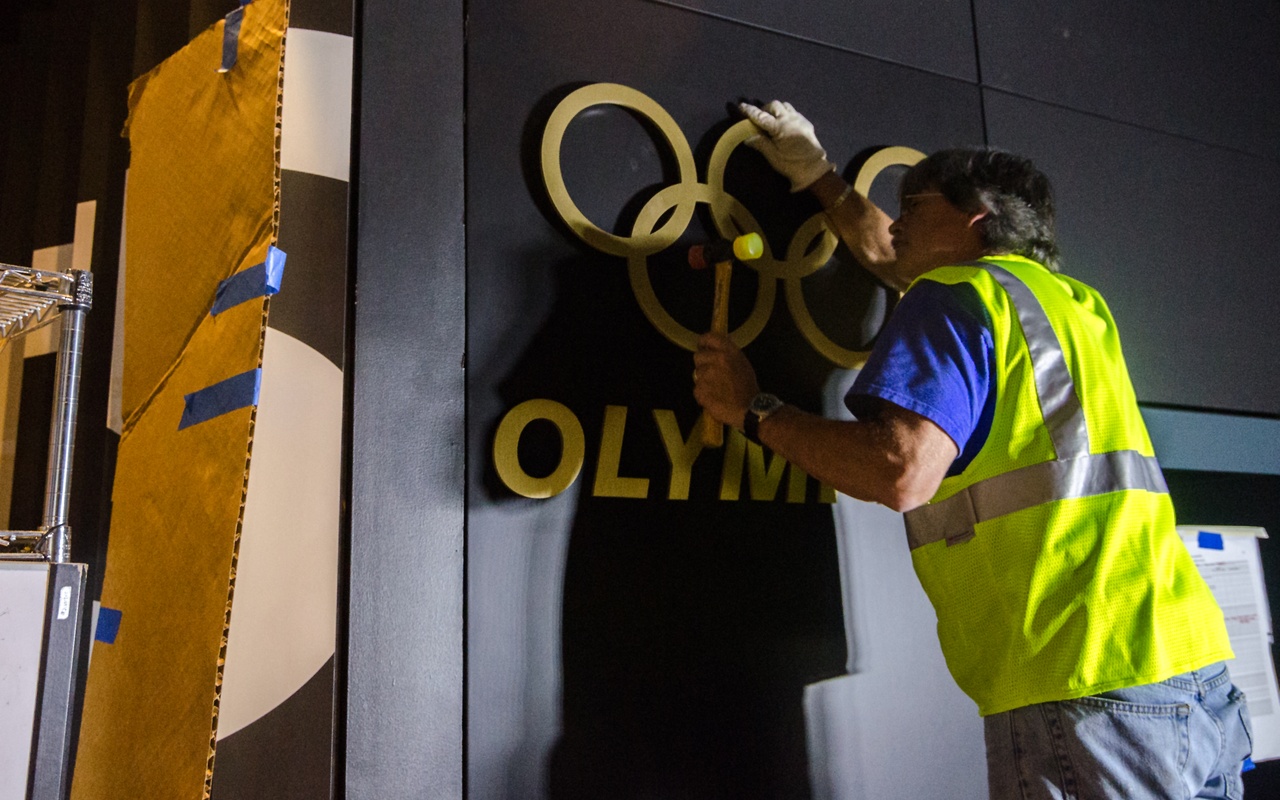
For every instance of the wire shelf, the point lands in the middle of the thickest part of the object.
(29, 298)
(23, 546)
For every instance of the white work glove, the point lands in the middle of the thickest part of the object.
(788, 143)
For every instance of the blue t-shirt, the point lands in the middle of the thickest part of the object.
(935, 357)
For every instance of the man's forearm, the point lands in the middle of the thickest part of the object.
(861, 225)
(896, 459)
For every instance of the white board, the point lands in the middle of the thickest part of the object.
(22, 606)
(1228, 559)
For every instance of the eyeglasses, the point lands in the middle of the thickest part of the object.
(910, 201)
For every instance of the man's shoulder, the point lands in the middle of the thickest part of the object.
(950, 274)
(936, 299)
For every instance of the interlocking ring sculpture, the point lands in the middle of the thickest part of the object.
(729, 216)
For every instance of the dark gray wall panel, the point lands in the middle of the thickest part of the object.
(682, 633)
(1175, 235)
(694, 71)
(404, 704)
(936, 35)
(855, 102)
(1201, 70)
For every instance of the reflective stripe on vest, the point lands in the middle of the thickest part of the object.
(953, 519)
(1059, 403)
(1074, 473)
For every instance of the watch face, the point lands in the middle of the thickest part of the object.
(765, 404)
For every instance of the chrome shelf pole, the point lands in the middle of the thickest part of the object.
(57, 496)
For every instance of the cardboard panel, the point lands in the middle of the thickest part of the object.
(204, 160)
(175, 524)
(202, 205)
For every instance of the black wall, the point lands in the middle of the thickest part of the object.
(1159, 128)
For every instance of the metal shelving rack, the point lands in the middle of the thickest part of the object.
(30, 299)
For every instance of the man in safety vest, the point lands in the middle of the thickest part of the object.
(996, 411)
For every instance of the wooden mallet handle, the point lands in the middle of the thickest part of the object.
(744, 248)
(712, 431)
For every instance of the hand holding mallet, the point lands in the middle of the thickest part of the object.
(747, 247)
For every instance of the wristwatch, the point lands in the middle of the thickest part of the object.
(761, 407)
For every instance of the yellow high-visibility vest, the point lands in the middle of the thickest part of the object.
(1052, 560)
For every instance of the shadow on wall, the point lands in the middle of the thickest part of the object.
(678, 634)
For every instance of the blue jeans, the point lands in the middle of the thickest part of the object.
(1184, 737)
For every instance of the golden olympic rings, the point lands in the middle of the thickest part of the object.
(730, 217)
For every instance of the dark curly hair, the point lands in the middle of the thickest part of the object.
(1016, 197)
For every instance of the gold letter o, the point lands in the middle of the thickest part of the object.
(506, 458)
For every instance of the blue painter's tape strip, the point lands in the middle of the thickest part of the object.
(275, 268)
(222, 397)
(231, 38)
(108, 625)
(256, 281)
(1248, 765)
(1210, 541)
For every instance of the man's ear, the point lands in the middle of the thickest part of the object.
(974, 219)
